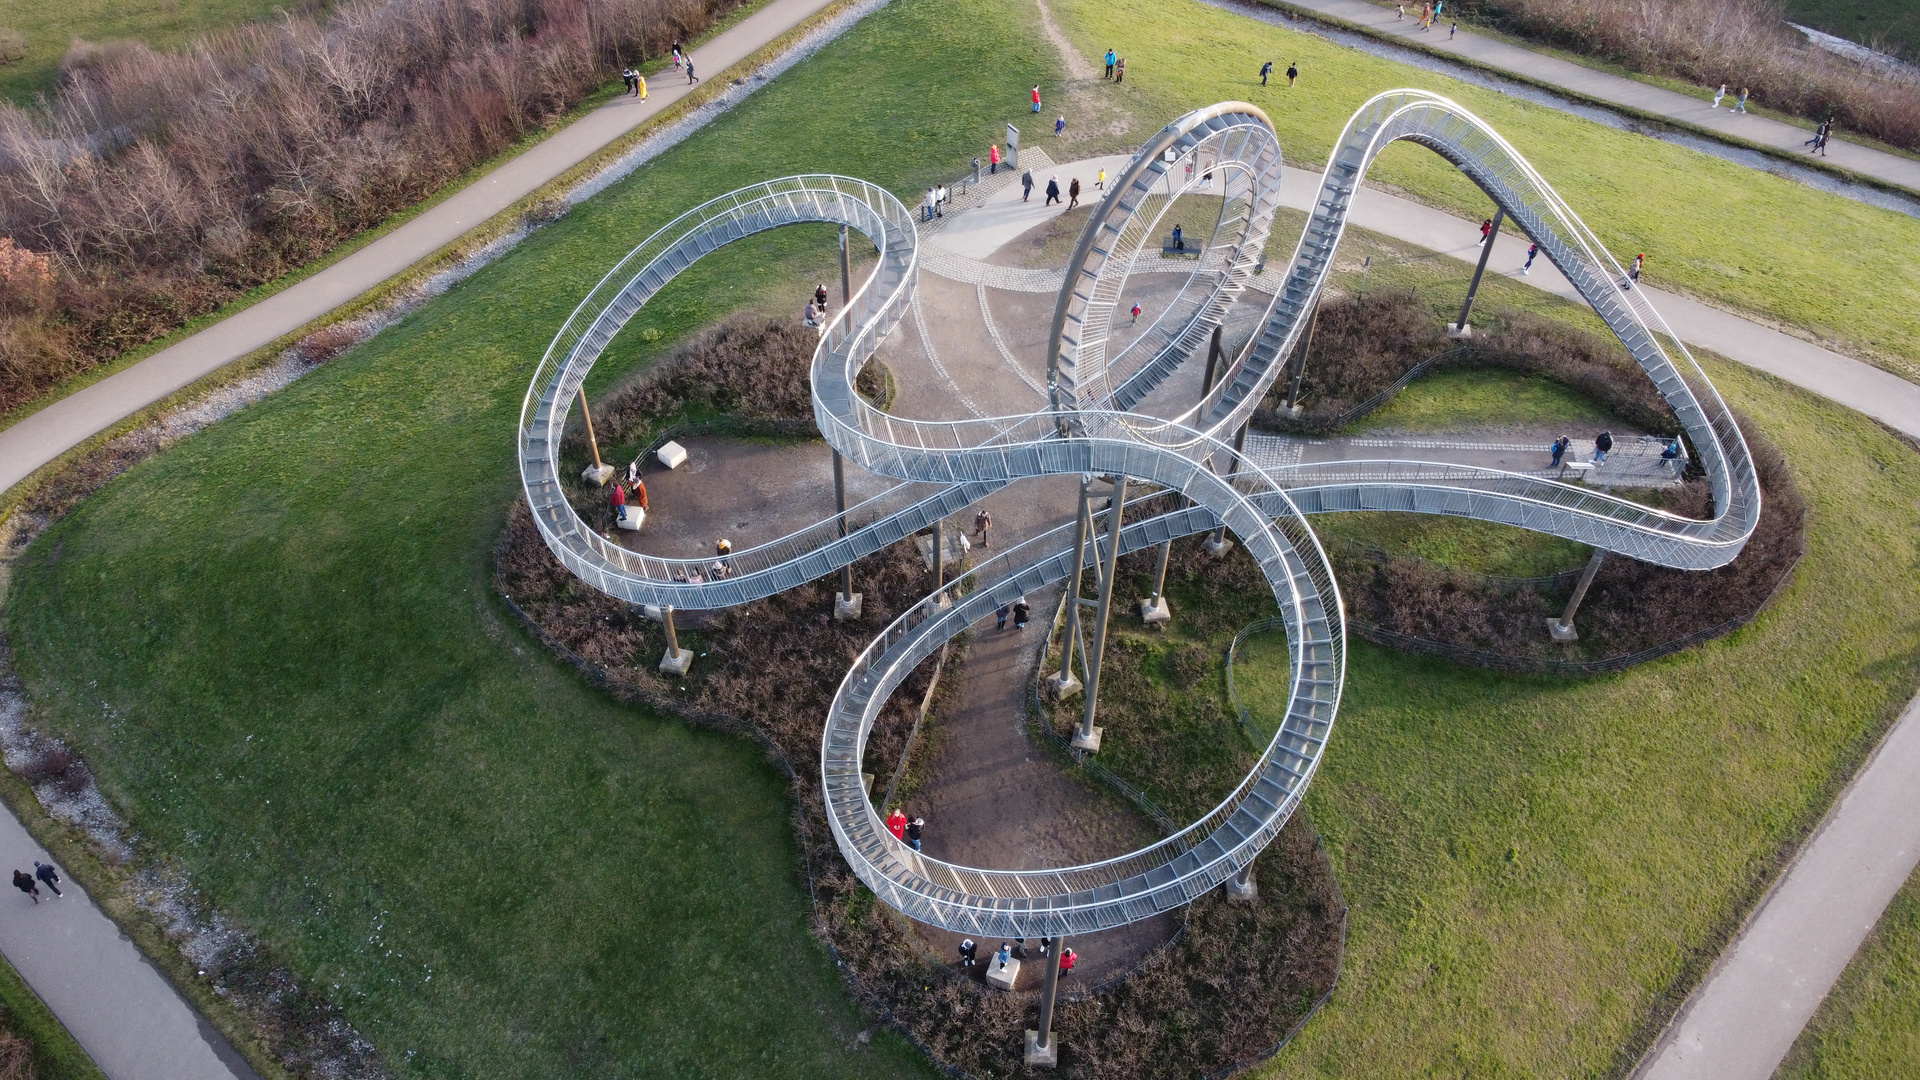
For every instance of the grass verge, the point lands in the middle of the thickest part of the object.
(31, 1036)
(1870, 1023)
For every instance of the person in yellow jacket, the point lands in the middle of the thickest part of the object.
(642, 80)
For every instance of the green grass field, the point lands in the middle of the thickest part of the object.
(1719, 230)
(1479, 400)
(1870, 1023)
(160, 23)
(1538, 869)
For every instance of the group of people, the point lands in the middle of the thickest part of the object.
(630, 490)
(904, 829)
(1818, 144)
(1429, 14)
(1266, 69)
(636, 83)
(1671, 454)
(1020, 611)
(1014, 950)
(1053, 193)
(1116, 67)
(46, 874)
(720, 567)
(1738, 106)
(815, 315)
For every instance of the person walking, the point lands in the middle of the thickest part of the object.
(1053, 190)
(1036, 99)
(1026, 185)
(926, 211)
(691, 77)
(1602, 443)
(1110, 61)
(1559, 449)
(1671, 455)
(25, 884)
(1821, 146)
(1438, 5)
(914, 830)
(1486, 230)
(636, 488)
(1532, 250)
(1020, 613)
(1426, 16)
(1100, 181)
(1073, 193)
(897, 824)
(1293, 72)
(1741, 105)
(1119, 70)
(48, 876)
(1059, 126)
(1633, 272)
(679, 58)
(626, 78)
(1266, 69)
(993, 155)
(1719, 95)
(820, 295)
(1067, 960)
(640, 85)
(723, 553)
(1819, 136)
(1000, 616)
(1452, 29)
(1136, 315)
(1399, 12)
(983, 526)
(618, 496)
(968, 952)
(1019, 948)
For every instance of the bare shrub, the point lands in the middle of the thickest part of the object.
(158, 185)
(13, 45)
(328, 342)
(1739, 42)
(16, 1057)
(749, 367)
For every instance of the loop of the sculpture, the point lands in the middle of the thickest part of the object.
(946, 465)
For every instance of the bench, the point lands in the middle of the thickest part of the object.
(1579, 468)
(1170, 251)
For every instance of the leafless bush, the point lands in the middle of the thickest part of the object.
(753, 368)
(13, 47)
(16, 1057)
(161, 184)
(1739, 42)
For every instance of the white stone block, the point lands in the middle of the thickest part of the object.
(676, 663)
(636, 517)
(1002, 977)
(1089, 743)
(672, 455)
(1155, 610)
(846, 608)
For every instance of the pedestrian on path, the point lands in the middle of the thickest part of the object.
(1136, 314)
(926, 211)
(48, 876)
(1559, 449)
(1399, 12)
(25, 884)
(1437, 6)
(1053, 190)
(983, 526)
(1486, 230)
(968, 951)
(640, 85)
(1111, 58)
(1532, 250)
(1821, 146)
(1020, 613)
(1119, 71)
(618, 496)
(1426, 17)
(1067, 960)
(1719, 95)
(1266, 69)
(1452, 29)
(691, 77)
(1602, 443)
(1059, 126)
(914, 830)
(626, 78)
(1026, 185)
(1741, 105)
(1073, 193)
(993, 155)
(1000, 616)
(820, 295)
(897, 824)
(679, 58)
(1818, 133)
(1036, 99)
(1100, 181)
(1633, 272)
(1019, 948)
(1293, 72)
(1671, 455)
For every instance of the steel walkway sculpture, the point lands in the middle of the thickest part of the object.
(1091, 428)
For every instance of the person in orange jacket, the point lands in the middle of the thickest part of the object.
(897, 824)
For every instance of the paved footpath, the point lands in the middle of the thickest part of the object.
(1552, 71)
(47, 434)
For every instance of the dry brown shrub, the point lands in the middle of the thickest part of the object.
(16, 1057)
(328, 342)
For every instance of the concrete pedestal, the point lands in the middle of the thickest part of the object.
(677, 663)
(1562, 631)
(1237, 891)
(1155, 610)
(846, 608)
(1062, 686)
(1002, 977)
(1089, 743)
(597, 475)
(635, 518)
(1459, 331)
(1216, 548)
(672, 455)
(1038, 1058)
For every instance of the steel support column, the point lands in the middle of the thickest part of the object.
(1088, 737)
(1486, 251)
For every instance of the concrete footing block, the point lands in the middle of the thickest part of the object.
(1002, 977)
(597, 475)
(1560, 631)
(1216, 547)
(1155, 610)
(1042, 1057)
(1062, 686)
(846, 608)
(1089, 743)
(677, 663)
(636, 517)
(1457, 332)
(1238, 891)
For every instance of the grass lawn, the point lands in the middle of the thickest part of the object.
(1481, 400)
(1870, 1023)
(1892, 25)
(1719, 230)
(160, 23)
(318, 711)
(1538, 869)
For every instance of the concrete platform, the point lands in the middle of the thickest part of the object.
(1002, 977)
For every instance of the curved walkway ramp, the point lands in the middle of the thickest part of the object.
(1090, 428)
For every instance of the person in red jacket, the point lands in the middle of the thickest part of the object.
(897, 824)
(1067, 960)
(1036, 99)
(619, 499)
(993, 155)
